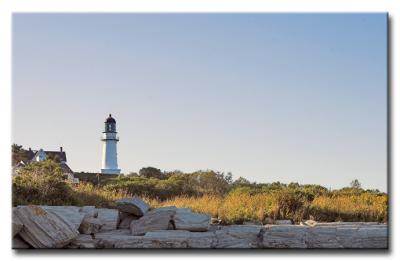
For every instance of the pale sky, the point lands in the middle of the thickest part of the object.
(270, 97)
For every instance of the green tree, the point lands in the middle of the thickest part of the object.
(355, 184)
(151, 172)
(241, 181)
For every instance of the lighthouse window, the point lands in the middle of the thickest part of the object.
(109, 127)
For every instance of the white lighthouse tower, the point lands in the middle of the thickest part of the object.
(109, 162)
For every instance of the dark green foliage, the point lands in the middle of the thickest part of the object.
(171, 185)
(18, 154)
(151, 172)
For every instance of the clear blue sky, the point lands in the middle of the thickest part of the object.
(270, 97)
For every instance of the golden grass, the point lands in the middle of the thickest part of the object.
(363, 207)
(239, 207)
(206, 204)
(236, 208)
(89, 195)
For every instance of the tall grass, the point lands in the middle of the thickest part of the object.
(208, 204)
(235, 208)
(362, 207)
(90, 195)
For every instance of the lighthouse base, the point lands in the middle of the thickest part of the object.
(110, 171)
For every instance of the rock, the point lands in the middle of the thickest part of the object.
(90, 225)
(109, 218)
(347, 235)
(16, 223)
(45, 229)
(168, 239)
(70, 213)
(372, 236)
(268, 220)
(168, 208)
(215, 221)
(284, 236)
(135, 206)
(109, 238)
(83, 241)
(283, 222)
(152, 221)
(185, 220)
(19, 243)
(309, 223)
(238, 236)
(89, 211)
(252, 223)
(126, 221)
(322, 237)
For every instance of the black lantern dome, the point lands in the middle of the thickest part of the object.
(110, 119)
(110, 124)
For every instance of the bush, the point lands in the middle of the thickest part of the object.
(41, 183)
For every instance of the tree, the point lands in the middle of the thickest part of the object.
(151, 172)
(18, 154)
(355, 184)
(241, 181)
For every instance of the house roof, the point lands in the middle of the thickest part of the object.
(61, 155)
(66, 168)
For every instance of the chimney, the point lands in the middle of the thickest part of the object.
(30, 149)
(60, 149)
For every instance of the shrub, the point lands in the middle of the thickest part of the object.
(41, 183)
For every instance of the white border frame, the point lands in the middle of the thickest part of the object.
(7, 7)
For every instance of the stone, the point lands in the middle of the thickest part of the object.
(126, 221)
(45, 229)
(215, 221)
(16, 223)
(90, 225)
(309, 223)
(89, 211)
(252, 223)
(135, 206)
(268, 220)
(373, 236)
(19, 243)
(70, 213)
(168, 239)
(109, 218)
(284, 236)
(152, 221)
(83, 241)
(195, 222)
(322, 237)
(169, 208)
(238, 236)
(283, 222)
(109, 238)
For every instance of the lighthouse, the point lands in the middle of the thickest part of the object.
(109, 161)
